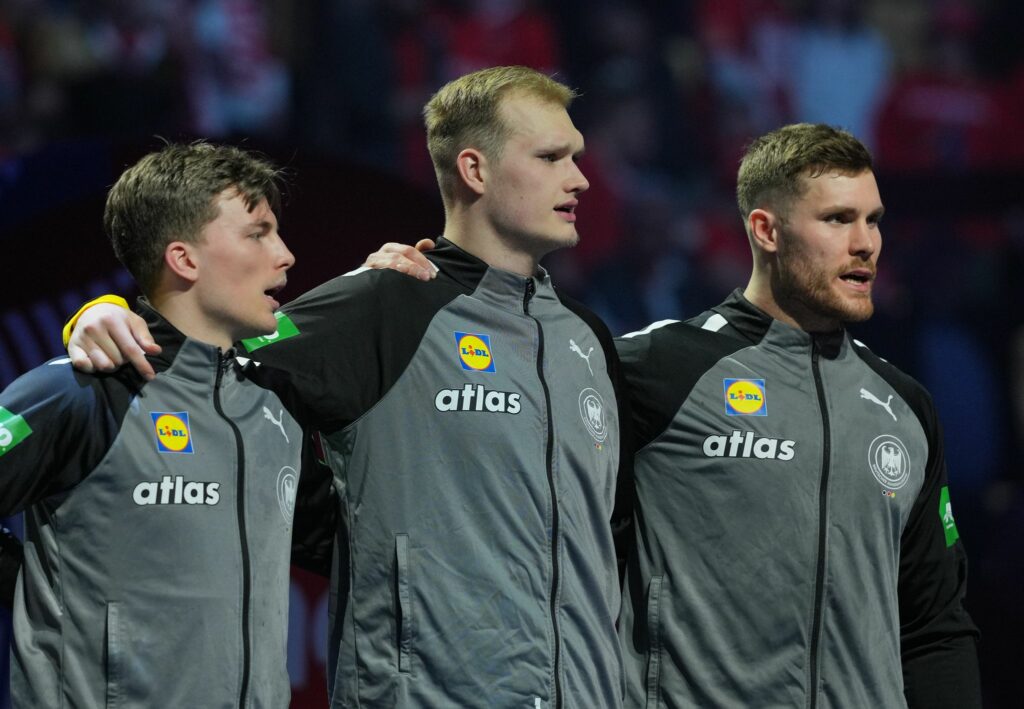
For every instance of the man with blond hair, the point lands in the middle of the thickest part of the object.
(474, 446)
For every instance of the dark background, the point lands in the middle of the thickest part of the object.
(670, 93)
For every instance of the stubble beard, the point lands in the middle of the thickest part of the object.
(812, 291)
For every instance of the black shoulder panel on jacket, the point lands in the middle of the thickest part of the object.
(661, 367)
(357, 334)
(742, 319)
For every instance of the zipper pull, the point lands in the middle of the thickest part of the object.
(530, 290)
(224, 358)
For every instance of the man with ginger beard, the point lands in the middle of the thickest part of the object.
(794, 542)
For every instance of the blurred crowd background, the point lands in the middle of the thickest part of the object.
(670, 94)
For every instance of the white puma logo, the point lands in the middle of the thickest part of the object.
(865, 394)
(576, 348)
(277, 422)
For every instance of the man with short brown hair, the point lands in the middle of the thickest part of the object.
(795, 542)
(158, 513)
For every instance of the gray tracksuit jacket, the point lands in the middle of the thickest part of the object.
(795, 546)
(472, 426)
(158, 524)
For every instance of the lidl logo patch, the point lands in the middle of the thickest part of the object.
(173, 434)
(285, 329)
(13, 430)
(475, 351)
(745, 397)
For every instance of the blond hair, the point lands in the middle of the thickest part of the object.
(464, 113)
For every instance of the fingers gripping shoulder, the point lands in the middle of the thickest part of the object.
(69, 326)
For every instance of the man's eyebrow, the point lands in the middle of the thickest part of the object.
(262, 225)
(848, 211)
(562, 149)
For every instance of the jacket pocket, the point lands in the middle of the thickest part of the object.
(403, 597)
(146, 635)
(114, 660)
(654, 641)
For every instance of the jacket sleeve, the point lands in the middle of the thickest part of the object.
(346, 343)
(54, 428)
(323, 360)
(938, 637)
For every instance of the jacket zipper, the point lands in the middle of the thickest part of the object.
(819, 578)
(530, 289)
(224, 360)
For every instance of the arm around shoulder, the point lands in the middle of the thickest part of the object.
(341, 346)
(104, 334)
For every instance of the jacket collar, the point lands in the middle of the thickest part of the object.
(178, 351)
(504, 288)
(753, 323)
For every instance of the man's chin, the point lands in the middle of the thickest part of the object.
(835, 308)
(855, 310)
(540, 245)
(564, 241)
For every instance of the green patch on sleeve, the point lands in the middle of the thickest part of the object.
(946, 515)
(13, 430)
(285, 329)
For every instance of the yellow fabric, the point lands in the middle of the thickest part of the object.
(70, 324)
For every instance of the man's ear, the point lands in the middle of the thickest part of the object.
(472, 168)
(763, 227)
(180, 258)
